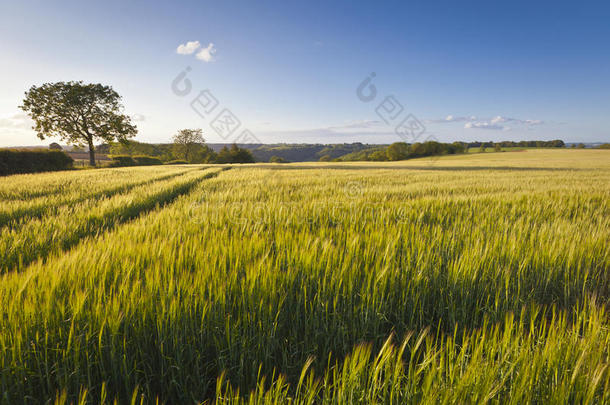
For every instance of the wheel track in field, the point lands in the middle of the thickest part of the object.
(38, 211)
(16, 261)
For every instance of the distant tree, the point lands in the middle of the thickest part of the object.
(131, 148)
(378, 155)
(78, 113)
(604, 146)
(277, 159)
(497, 147)
(204, 154)
(187, 142)
(224, 156)
(234, 154)
(556, 143)
(580, 146)
(482, 148)
(398, 151)
(241, 155)
(325, 158)
(55, 146)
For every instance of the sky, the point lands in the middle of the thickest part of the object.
(320, 71)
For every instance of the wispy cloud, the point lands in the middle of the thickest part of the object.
(189, 48)
(16, 121)
(495, 123)
(485, 125)
(362, 124)
(207, 54)
(452, 118)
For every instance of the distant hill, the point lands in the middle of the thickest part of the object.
(293, 152)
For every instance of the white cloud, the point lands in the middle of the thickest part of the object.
(17, 121)
(499, 119)
(138, 117)
(207, 54)
(361, 124)
(452, 118)
(495, 123)
(485, 125)
(188, 48)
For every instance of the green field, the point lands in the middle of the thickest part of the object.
(465, 279)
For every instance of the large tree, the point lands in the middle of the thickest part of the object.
(187, 142)
(78, 113)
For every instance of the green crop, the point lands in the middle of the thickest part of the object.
(470, 279)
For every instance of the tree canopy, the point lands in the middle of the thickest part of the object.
(78, 113)
(187, 142)
(234, 154)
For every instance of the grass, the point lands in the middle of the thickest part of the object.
(470, 279)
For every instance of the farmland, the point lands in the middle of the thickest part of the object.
(461, 279)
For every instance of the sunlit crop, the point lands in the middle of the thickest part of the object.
(468, 279)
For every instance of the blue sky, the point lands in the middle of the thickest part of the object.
(289, 71)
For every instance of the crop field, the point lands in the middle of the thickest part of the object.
(477, 278)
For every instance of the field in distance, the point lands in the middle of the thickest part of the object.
(461, 279)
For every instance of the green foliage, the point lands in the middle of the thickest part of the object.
(234, 154)
(78, 113)
(122, 161)
(277, 159)
(131, 147)
(13, 161)
(176, 162)
(142, 160)
(136, 160)
(556, 143)
(398, 151)
(187, 142)
(604, 146)
(402, 151)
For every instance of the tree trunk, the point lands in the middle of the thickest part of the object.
(91, 153)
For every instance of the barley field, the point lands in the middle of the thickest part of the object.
(480, 278)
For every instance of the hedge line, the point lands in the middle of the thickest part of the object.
(137, 160)
(15, 161)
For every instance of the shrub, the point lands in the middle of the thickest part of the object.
(122, 160)
(15, 161)
(143, 160)
(177, 162)
(277, 159)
